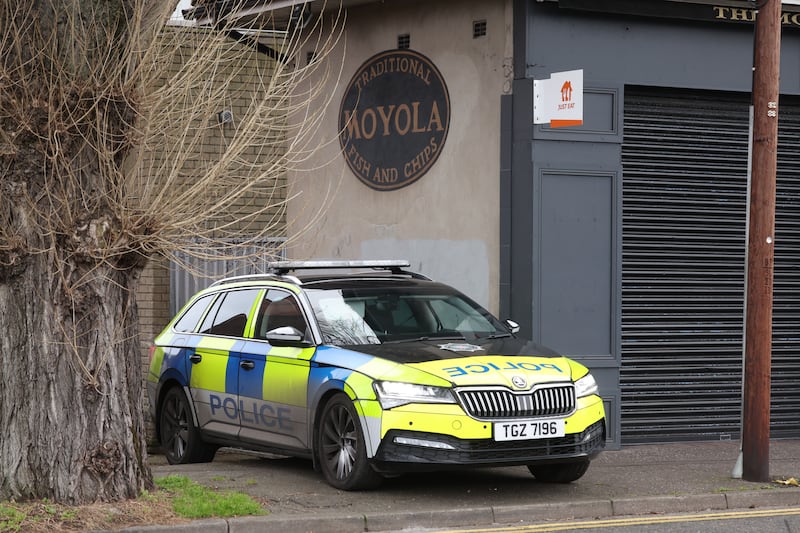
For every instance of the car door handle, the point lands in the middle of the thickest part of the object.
(195, 358)
(247, 365)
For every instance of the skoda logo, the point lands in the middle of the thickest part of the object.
(519, 382)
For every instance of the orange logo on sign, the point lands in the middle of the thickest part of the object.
(566, 91)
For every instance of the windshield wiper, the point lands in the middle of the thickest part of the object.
(496, 336)
(446, 337)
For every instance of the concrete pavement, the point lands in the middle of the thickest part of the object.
(644, 479)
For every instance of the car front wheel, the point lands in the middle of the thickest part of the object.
(341, 449)
(180, 439)
(559, 472)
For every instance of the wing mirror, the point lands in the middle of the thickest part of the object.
(512, 326)
(286, 336)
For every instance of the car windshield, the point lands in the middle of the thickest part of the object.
(355, 316)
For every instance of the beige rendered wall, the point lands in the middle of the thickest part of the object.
(447, 222)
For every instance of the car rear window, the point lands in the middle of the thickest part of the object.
(188, 321)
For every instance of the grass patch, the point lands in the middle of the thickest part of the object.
(177, 500)
(10, 518)
(192, 500)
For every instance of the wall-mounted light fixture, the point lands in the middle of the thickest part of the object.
(225, 116)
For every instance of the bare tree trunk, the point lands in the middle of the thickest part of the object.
(70, 388)
(70, 367)
(99, 170)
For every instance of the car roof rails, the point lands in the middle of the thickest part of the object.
(247, 277)
(395, 266)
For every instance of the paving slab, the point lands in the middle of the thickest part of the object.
(644, 479)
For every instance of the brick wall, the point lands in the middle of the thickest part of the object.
(152, 298)
(153, 294)
(153, 303)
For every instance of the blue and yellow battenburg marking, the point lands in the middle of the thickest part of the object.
(282, 384)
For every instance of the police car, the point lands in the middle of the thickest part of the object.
(368, 370)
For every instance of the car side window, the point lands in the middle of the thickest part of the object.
(188, 322)
(229, 315)
(279, 309)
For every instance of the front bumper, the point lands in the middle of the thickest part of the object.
(450, 451)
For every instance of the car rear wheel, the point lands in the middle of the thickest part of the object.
(559, 472)
(180, 439)
(341, 450)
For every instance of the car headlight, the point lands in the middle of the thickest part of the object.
(395, 393)
(585, 386)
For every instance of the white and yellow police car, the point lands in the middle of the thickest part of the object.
(368, 371)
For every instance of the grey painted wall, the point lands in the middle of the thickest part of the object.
(647, 51)
(562, 274)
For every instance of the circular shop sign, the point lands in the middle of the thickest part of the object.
(394, 119)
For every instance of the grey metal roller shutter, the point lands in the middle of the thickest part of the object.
(684, 195)
(785, 412)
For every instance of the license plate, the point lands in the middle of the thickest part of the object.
(529, 429)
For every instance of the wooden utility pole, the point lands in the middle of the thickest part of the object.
(761, 241)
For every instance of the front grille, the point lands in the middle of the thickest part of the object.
(553, 400)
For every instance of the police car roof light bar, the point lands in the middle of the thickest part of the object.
(280, 269)
(394, 265)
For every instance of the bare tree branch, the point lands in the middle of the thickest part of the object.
(110, 154)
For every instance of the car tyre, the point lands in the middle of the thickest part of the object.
(559, 472)
(341, 449)
(180, 439)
